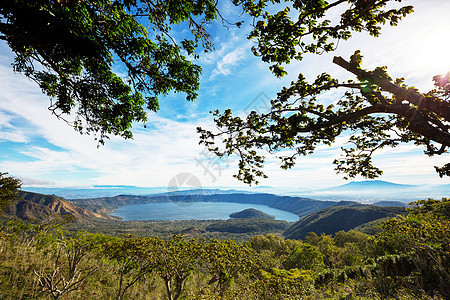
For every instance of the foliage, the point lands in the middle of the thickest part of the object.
(175, 260)
(285, 36)
(67, 275)
(248, 225)
(305, 257)
(375, 110)
(424, 236)
(128, 257)
(282, 284)
(372, 227)
(226, 261)
(273, 249)
(273, 243)
(9, 187)
(135, 267)
(76, 52)
(36, 231)
(351, 236)
(326, 245)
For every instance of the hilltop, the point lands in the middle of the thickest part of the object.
(39, 206)
(251, 213)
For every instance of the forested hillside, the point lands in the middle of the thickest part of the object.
(408, 259)
(336, 218)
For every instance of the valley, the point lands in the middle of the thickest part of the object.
(100, 214)
(324, 251)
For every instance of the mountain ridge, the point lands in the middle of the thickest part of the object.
(361, 191)
(336, 218)
(38, 206)
(372, 184)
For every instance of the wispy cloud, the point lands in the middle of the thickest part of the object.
(35, 182)
(228, 62)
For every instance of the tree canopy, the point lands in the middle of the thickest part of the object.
(376, 110)
(9, 187)
(106, 62)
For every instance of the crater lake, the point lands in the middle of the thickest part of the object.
(171, 211)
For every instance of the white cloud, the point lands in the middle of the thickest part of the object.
(228, 62)
(17, 136)
(35, 182)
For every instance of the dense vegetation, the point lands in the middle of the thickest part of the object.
(8, 190)
(409, 259)
(239, 231)
(248, 225)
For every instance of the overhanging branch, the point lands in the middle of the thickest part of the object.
(440, 108)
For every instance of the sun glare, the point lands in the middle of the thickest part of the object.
(427, 46)
(432, 50)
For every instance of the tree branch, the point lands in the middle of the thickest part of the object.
(440, 108)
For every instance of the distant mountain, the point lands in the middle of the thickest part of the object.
(38, 206)
(371, 185)
(251, 213)
(336, 218)
(371, 191)
(368, 191)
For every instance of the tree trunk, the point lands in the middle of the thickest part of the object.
(168, 288)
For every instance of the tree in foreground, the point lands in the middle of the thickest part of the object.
(176, 259)
(67, 276)
(75, 52)
(106, 62)
(225, 261)
(9, 190)
(130, 259)
(375, 110)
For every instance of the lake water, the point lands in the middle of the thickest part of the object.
(170, 211)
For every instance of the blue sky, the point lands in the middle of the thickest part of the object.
(45, 152)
